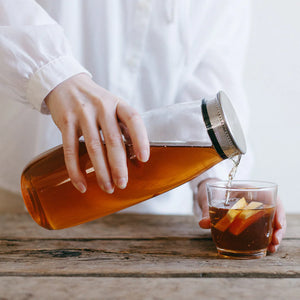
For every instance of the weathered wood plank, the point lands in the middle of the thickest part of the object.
(172, 257)
(113, 226)
(119, 226)
(147, 288)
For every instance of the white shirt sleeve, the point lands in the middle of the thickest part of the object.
(218, 65)
(35, 55)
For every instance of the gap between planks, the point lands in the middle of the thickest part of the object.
(145, 275)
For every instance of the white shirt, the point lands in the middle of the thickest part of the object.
(151, 53)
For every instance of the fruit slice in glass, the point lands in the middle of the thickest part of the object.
(232, 213)
(249, 215)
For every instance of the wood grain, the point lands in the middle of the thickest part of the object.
(137, 257)
(112, 226)
(119, 226)
(147, 288)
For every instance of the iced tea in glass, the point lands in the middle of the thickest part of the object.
(242, 217)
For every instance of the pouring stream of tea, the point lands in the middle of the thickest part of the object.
(236, 161)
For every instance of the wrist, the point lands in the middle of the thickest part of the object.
(49, 76)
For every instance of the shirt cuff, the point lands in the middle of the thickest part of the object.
(48, 77)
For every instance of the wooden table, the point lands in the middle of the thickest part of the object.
(138, 257)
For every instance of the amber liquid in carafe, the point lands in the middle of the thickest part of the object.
(54, 203)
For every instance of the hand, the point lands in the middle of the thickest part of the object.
(81, 107)
(203, 203)
(279, 226)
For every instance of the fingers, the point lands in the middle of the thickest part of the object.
(277, 236)
(279, 227)
(205, 221)
(111, 165)
(276, 240)
(136, 130)
(70, 146)
(108, 118)
(280, 217)
(116, 153)
(110, 161)
(272, 248)
(95, 148)
(80, 105)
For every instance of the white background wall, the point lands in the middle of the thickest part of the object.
(272, 82)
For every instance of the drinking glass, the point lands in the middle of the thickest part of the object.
(242, 217)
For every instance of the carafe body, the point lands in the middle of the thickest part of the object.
(180, 150)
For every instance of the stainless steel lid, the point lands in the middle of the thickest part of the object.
(223, 126)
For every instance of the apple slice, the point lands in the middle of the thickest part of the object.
(249, 215)
(232, 213)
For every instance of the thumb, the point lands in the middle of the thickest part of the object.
(205, 221)
(203, 203)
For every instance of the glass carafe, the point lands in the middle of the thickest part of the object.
(185, 140)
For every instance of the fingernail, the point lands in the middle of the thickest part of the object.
(80, 187)
(108, 188)
(144, 155)
(121, 183)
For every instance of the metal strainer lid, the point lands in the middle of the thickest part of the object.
(223, 126)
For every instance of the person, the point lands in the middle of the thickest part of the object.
(96, 63)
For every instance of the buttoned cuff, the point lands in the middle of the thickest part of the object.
(48, 77)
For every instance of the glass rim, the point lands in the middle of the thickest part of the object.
(243, 185)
